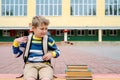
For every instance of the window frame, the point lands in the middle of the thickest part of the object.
(5, 33)
(104, 31)
(92, 32)
(49, 7)
(110, 6)
(75, 8)
(13, 8)
(81, 33)
(60, 32)
(113, 33)
(69, 33)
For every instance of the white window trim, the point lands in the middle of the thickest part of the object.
(53, 12)
(81, 32)
(108, 4)
(0, 7)
(70, 31)
(91, 33)
(83, 13)
(113, 31)
(60, 33)
(9, 5)
(105, 33)
(6, 34)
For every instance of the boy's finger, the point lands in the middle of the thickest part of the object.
(44, 57)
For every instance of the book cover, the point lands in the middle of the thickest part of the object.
(79, 73)
(78, 78)
(77, 66)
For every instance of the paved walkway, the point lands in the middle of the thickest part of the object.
(103, 60)
(62, 77)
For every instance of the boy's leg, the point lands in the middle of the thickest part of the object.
(46, 73)
(30, 79)
(46, 79)
(30, 72)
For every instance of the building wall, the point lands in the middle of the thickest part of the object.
(66, 20)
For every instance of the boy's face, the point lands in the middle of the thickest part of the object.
(40, 31)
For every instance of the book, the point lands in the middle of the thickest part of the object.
(78, 78)
(77, 66)
(78, 73)
(77, 69)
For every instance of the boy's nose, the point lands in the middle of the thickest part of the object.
(44, 31)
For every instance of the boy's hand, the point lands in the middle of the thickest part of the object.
(47, 56)
(22, 39)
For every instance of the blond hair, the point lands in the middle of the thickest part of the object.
(39, 20)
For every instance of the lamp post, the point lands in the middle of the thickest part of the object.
(65, 34)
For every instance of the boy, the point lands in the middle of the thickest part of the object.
(38, 63)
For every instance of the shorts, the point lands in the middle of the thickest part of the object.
(38, 71)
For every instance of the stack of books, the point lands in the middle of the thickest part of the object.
(78, 72)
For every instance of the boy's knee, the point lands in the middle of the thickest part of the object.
(45, 79)
(30, 78)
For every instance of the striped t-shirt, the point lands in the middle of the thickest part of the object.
(36, 49)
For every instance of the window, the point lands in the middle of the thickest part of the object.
(104, 32)
(49, 7)
(71, 32)
(59, 32)
(81, 32)
(91, 32)
(6, 33)
(14, 8)
(112, 7)
(20, 33)
(83, 7)
(113, 32)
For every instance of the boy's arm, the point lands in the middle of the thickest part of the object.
(18, 46)
(52, 47)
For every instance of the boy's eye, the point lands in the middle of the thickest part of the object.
(46, 28)
(42, 28)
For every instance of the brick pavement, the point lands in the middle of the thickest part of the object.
(98, 63)
(69, 55)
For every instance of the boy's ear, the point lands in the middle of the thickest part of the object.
(32, 28)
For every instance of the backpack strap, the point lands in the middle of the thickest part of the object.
(45, 44)
(26, 53)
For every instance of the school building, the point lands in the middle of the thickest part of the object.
(70, 20)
